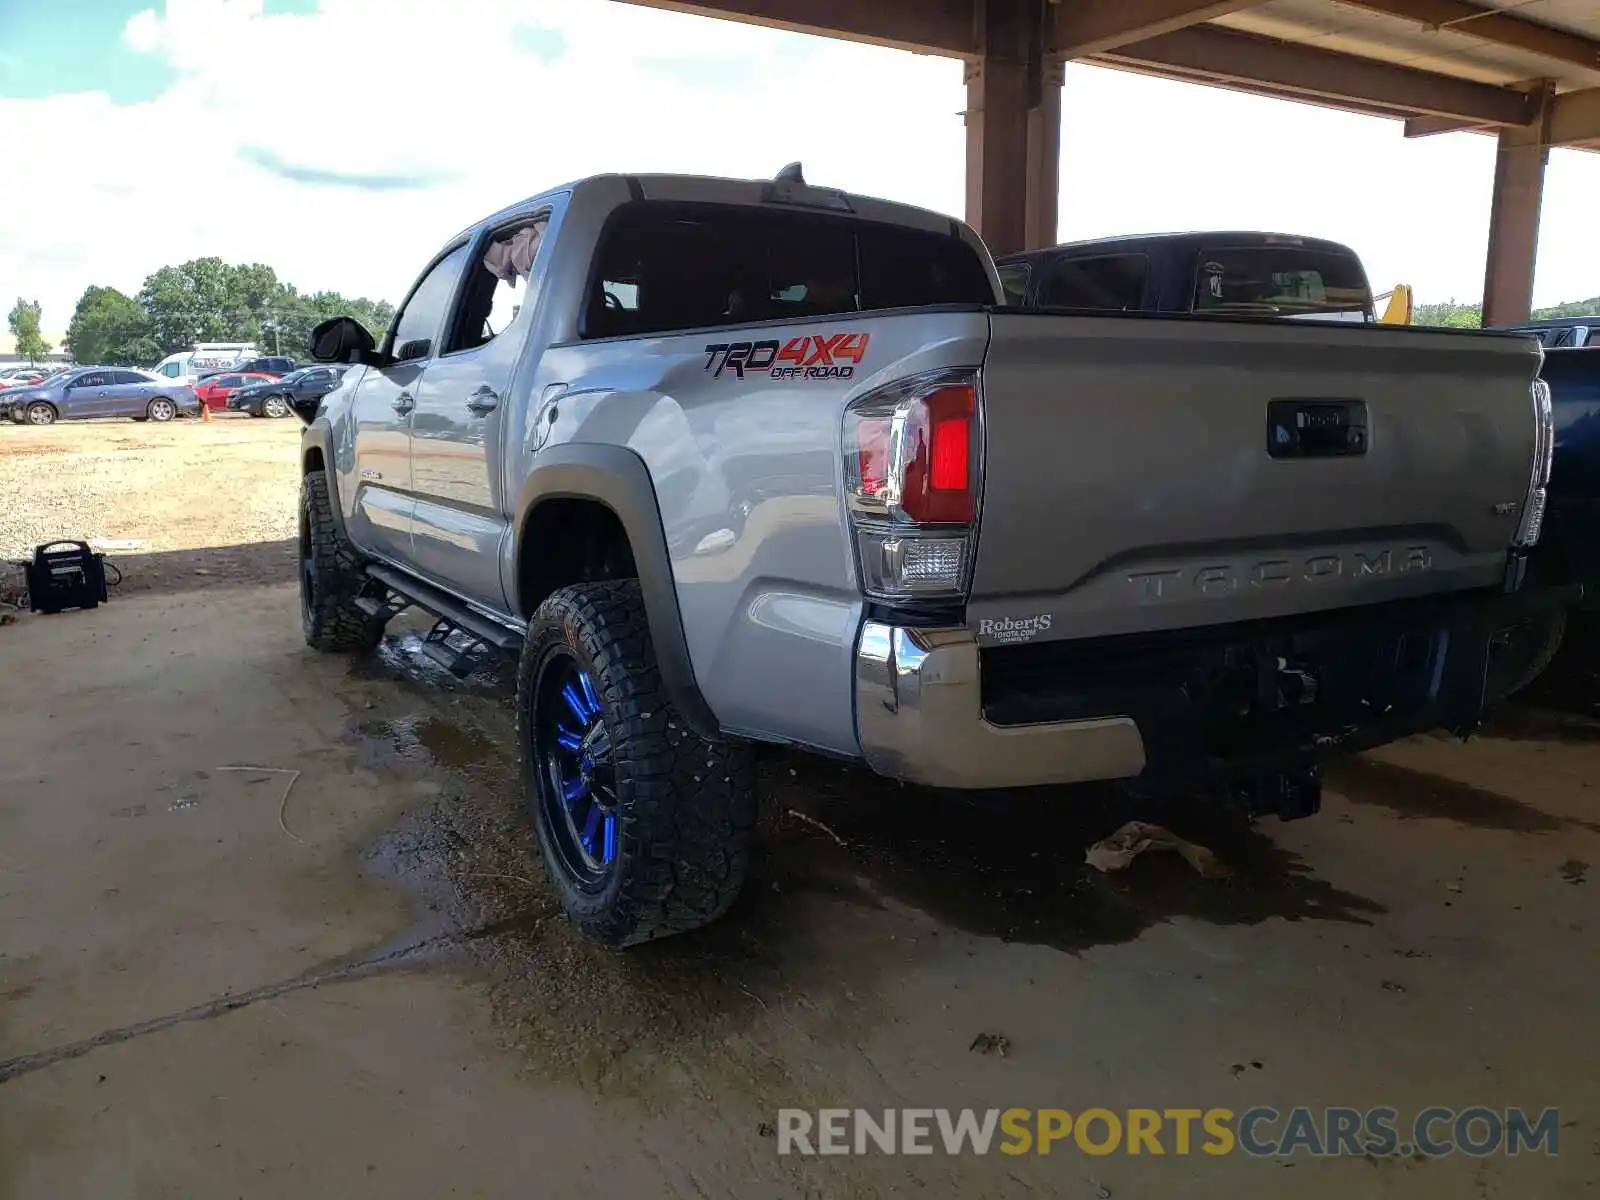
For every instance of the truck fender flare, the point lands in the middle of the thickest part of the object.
(319, 436)
(619, 479)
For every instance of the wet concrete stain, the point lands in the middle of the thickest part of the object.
(1412, 794)
(1010, 865)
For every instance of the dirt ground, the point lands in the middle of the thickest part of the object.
(273, 928)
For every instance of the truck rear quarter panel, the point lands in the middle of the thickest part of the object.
(745, 458)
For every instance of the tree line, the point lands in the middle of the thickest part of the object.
(206, 300)
(1470, 316)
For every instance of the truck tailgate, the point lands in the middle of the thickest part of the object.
(1147, 473)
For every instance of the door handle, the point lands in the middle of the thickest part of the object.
(405, 402)
(482, 401)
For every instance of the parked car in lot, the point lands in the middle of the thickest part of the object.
(985, 547)
(278, 397)
(88, 392)
(214, 390)
(11, 377)
(1233, 274)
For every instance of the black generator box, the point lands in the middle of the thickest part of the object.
(65, 575)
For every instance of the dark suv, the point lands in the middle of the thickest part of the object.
(279, 397)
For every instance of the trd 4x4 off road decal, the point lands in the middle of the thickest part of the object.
(814, 356)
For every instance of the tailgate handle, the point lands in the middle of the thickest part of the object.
(1316, 428)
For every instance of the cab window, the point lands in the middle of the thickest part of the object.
(1111, 282)
(497, 285)
(417, 324)
(1279, 281)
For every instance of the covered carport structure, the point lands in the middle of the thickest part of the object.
(1525, 71)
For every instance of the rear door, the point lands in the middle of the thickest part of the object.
(460, 519)
(1145, 474)
(382, 409)
(127, 394)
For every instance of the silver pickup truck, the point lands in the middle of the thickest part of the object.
(735, 462)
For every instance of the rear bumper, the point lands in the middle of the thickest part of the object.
(1180, 712)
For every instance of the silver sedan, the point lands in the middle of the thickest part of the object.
(87, 392)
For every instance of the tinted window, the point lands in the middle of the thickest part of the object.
(1114, 282)
(1279, 281)
(677, 266)
(1014, 282)
(424, 311)
(90, 379)
(120, 377)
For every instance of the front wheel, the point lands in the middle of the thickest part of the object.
(275, 406)
(331, 576)
(645, 829)
(161, 409)
(41, 414)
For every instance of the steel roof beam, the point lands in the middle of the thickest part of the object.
(1221, 56)
(1491, 25)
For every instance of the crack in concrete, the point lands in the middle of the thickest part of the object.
(344, 972)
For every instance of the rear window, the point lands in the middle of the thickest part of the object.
(1113, 281)
(1274, 281)
(662, 267)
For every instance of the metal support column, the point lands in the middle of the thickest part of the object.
(1514, 219)
(1013, 121)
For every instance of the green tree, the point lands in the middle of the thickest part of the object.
(1572, 308)
(24, 321)
(1449, 314)
(191, 302)
(111, 329)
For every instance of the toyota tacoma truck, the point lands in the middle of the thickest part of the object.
(740, 462)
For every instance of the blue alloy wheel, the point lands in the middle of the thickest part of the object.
(576, 772)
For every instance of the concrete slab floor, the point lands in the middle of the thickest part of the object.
(351, 981)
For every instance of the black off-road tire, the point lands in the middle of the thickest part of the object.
(331, 576)
(1532, 647)
(687, 807)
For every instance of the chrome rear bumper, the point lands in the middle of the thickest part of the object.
(919, 717)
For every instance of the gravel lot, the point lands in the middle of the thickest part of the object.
(213, 500)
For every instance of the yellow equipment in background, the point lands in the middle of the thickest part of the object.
(1399, 310)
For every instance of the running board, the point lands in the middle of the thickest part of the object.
(446, 607)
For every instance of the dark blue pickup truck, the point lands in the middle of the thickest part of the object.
(1572, 526)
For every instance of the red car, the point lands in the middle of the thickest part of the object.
(215, 389)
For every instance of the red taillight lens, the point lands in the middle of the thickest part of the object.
(938, 474)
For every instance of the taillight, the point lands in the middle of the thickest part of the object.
(1544, 449)
(913, 458)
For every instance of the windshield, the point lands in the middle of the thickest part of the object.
(1280, 281)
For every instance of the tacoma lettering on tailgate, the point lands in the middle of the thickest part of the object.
(1224, 579)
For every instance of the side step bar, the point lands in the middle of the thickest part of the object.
(447, 607)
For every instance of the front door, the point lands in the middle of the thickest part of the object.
(460, 521)
(89, 395)
(382, 414)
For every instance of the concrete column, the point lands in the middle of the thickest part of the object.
(1514, 219)
(1013, 121)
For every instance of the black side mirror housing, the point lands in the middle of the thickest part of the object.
(343, 340)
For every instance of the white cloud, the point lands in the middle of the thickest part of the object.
(470, 99)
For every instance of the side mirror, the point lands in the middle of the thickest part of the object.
(343, 340)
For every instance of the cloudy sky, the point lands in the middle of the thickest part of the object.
(341, 141)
